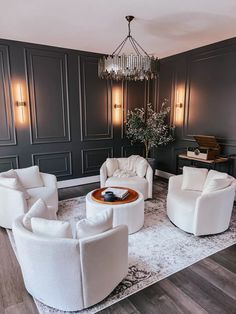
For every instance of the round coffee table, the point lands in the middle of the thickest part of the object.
(129, 211)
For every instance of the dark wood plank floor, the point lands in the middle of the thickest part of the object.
(208, 286)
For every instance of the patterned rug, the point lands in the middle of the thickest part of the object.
(158, 250)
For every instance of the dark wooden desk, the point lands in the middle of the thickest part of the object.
(210, 164)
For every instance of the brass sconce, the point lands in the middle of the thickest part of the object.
(179, 106)
(20, 103)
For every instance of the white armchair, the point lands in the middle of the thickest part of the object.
(14, 204)
(142, 179)
(70, 274)
(197, 213)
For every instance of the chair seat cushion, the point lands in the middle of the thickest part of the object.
(49, 195)
(136, 183)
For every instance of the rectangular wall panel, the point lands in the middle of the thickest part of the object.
(211, 94)
(48, 89)
(93, 158)
(57, 163)
(96, 101)
(8, 162)
(7, 129)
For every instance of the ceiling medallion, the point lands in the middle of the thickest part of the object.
(134, 67)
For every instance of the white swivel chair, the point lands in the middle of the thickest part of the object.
(14, 204)
(70, 274)
(142, 179)
(197, 213)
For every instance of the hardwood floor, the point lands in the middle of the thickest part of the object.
(208, 286)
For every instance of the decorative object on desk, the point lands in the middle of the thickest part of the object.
(109, 196)
(136, 66)
(208, 148)
(149, 127)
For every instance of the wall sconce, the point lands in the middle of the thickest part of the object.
(179, 105)
(117, 104)
(20, 103)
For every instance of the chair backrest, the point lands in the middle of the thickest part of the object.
(51, 268)
(62, 273)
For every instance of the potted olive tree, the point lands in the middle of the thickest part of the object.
(149, 127)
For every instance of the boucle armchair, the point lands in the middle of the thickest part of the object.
(13, 202)
(71, 274)
(198, 213)
(133, 172)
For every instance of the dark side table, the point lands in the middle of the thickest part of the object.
(210, 164)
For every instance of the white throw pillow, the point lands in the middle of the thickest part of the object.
(30, 177)
(112, 166)
(141, 167)
(213, 174)
(216, 185)
(95, 225)
(124, 173)
(194, 178)
(11, 180)
(39, 209)
(51, 228)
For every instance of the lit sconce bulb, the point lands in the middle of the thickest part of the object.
(20, 103)
(117, 112)
(179, 105)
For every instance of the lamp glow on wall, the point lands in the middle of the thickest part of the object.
(117, 105)
(20, 103)
(179, 105)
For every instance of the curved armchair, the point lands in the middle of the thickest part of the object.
(142, 184)
(70, 274)
(197, 213)
(14, 204)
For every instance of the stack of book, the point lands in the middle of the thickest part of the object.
(121, 194)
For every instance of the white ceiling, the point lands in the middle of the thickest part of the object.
(162, 27)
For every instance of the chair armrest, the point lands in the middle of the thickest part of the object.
(103, 175)
(213, 211)
(49, 180)
(104, 263)
(175, 183)
(149, 177)
(12, 205)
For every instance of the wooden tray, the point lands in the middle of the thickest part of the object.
(97, 196)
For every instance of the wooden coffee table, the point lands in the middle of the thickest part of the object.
(129, 211)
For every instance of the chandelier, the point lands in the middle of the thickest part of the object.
(136, 66)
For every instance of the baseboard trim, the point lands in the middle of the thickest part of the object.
(77, 181)
(163, 174)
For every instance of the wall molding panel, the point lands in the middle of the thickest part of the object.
(203, 91)
(48, 91)
(8, 162)
(7, 128)
(93, 158)
(57, 163)
(95, 101)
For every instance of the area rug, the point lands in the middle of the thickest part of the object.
(158, 250)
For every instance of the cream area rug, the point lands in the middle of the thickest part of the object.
(158, 250)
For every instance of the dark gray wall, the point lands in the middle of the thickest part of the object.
(68, 128)
(207, 78)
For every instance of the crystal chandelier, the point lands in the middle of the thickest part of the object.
(137, 66)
